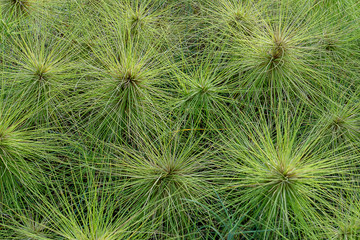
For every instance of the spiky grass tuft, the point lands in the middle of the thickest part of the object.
(203, 90)
(340, 118)
(281, 175)
(123, 88)
(40, 67)
(161, 174)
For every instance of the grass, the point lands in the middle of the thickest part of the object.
(285, 178)
(39, 67)
(183, 119)
(25, 149)
(203, 90)
(161, 175)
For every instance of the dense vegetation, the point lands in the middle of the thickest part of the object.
(154, 119)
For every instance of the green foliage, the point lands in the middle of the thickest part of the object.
(74, 211)
(40, 67)
(154, 119)
(284, 176)
(161, 173)
(123, 86)
(203, 90)
(24, 150)
(16, 8)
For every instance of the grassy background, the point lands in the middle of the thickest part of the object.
(154, 119)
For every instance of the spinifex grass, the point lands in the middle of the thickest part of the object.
(339, 114)
(338, 54)
(203, 90)
(23, 149)
(283, 173)
(123, 87)
(83, 209)
(40, 68)
(160, 173)
(274, 52)
(228, 18)
(186, 119)
(146, 19)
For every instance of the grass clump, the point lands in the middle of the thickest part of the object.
(282, 176)
(123, 88)
(161, 175)
(203, 91)
(40, 67)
